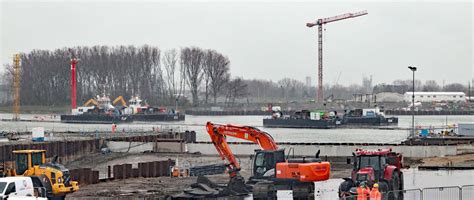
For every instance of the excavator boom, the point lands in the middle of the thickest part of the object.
(122, 101)
(219, 132)
(91, 101)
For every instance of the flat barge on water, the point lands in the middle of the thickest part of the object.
(325, 120)
(103, 111)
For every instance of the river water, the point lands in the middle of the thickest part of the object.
(197, 123)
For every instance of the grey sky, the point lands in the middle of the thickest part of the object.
(264, 40)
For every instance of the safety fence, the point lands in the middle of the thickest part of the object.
(465, 192)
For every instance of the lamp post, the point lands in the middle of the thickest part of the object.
(413, 69)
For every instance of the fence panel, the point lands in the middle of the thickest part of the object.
(412, 194)
(442, 193)
(467, 192)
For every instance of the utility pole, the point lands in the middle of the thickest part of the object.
(413, 69)
(320, 23)
(16, 87)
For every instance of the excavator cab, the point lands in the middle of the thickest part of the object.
(265, 161)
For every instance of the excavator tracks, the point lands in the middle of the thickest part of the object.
(268, 189)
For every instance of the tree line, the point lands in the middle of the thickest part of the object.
(161, 78)
(287, 89)
(185, 75)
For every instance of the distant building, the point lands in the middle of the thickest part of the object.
(436, 96)
(367, 85)
(389, 97)
(308, 81)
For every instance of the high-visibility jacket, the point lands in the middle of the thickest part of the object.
(362, 193)
(375, 194)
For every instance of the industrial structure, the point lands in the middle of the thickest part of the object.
(320, 23)
(16, 87)
(436, 96)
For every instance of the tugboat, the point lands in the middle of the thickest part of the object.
(303, 119)
(370, 116)
(101, 112)
(144, 112)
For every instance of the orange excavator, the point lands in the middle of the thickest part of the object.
(271, 170)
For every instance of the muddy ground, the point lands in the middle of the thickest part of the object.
(160, 187)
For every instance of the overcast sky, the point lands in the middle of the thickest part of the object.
(263, 40)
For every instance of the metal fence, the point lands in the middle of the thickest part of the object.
(465, 192)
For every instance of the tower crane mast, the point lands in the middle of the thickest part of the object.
(320, 23)
(16, 87)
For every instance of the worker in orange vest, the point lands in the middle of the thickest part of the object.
(374, 193)
(362, 191)
(114, 127)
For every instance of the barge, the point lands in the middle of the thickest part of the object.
(372, 116)
(323, 120)
(302, 119)
(103, 111)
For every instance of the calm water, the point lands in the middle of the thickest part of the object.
(280, 134)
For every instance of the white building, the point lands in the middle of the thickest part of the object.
(436, 96)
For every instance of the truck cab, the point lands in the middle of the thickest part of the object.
(20, 188)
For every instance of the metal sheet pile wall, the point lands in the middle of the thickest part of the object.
(65, 150)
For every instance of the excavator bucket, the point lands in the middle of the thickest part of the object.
(237, 186)
(205, 188)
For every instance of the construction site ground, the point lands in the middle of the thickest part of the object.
(160, 187)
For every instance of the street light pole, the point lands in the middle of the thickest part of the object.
(413, 69)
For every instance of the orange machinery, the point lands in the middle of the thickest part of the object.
(271, 170)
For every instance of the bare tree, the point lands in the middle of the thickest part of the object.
(216, 68)
(192, 61)
(236, 89)
(431, 86)
(173, 75)
(454, 87)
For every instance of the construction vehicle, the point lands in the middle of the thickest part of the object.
(272, 171)
(21, 188)
(382, 166)
(52, 176)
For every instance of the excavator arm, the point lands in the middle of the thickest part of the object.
(122, 101)
(91, 101)
(219, 132)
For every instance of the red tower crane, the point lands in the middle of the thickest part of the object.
(320, 23)
(73, 82)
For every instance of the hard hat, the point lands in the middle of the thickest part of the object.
(376, 185)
